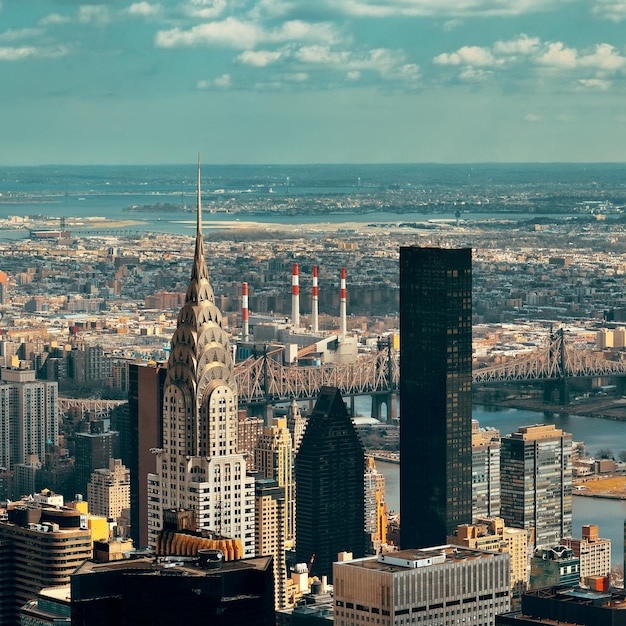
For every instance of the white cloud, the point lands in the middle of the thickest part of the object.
(53, 19)
(595, 84)
(451, 8)
(532, 118)
(475, 75)
(522, 45)
(143, 9)
(94, 14)
(19, 33)
(614, 10)
(20, 53)
(468, 55)
(297, 77)
(238, 34)
(353, 75)
(605, 58)
(558, 56)
(259, 58)
(206, 9)
(221, 82)
(451, 25)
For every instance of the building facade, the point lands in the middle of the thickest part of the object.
(28, 416)
(593, 552)
(270, 513)
(485, 471)
(435, 393)
(536, 482)
(273, 459)
(442, 585)
(108, 491)
(198, 466)
(329, 486)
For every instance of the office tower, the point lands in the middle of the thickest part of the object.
(296, 424)
(270, 517)
(553, 567)
(198, 465)
(44, 545)
(431, 586)
(492, 535)
(145, 404)
(435, 393)
(593, 552)
(151, 593)
(273, 458)
(485, 471)
(329, 486)
(93, 451)
(108, 491)
(536, 482)
(375, 508)
(28, 416)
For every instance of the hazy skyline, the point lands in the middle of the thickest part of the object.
(312, 81)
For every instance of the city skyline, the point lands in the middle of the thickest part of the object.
(271, 81)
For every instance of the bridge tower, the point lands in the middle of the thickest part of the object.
(559, 383)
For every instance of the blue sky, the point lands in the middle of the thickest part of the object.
(312, 81)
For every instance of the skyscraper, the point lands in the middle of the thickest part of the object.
(329, 486)
(435, 393)
(536, 482)
(28, 416)
(273, 458)
(485, 471)
(198, 467)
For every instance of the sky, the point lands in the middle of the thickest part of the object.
(312, 81)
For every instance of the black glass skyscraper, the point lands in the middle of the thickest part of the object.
(435, 393)
(329, 470)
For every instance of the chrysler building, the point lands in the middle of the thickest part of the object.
(198, 467)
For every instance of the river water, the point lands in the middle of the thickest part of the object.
(596, 433)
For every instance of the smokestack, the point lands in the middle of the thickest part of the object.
(314, 302)
(295, 297)
(244, 311)
(343, 305)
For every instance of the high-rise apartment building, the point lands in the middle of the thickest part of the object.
(28, 416)
(485, 471)
(273, 459)
(329, 486)
(436, 586)
(435, 393)
(375, 507)
(270, 513)
(593, 552)
(198, 466)
(296, 424)
(108, 491)
(536, 482)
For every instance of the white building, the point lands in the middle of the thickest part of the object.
(198, 467)
(108, 491)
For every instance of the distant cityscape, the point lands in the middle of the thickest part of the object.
(180, 376)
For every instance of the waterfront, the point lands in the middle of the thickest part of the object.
(594, 432)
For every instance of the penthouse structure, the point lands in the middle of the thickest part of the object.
(198, 466)
(440, 585)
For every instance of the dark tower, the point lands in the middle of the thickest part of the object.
(329, 471)
(435, 394)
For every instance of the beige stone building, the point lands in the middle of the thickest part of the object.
(594, 553)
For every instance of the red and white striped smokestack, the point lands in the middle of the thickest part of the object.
(295, 297)
(244, 311)
(314, 301)
(343, 306)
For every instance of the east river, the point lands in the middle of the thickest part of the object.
(596, 433)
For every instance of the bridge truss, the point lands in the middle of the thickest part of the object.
(555, 361)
